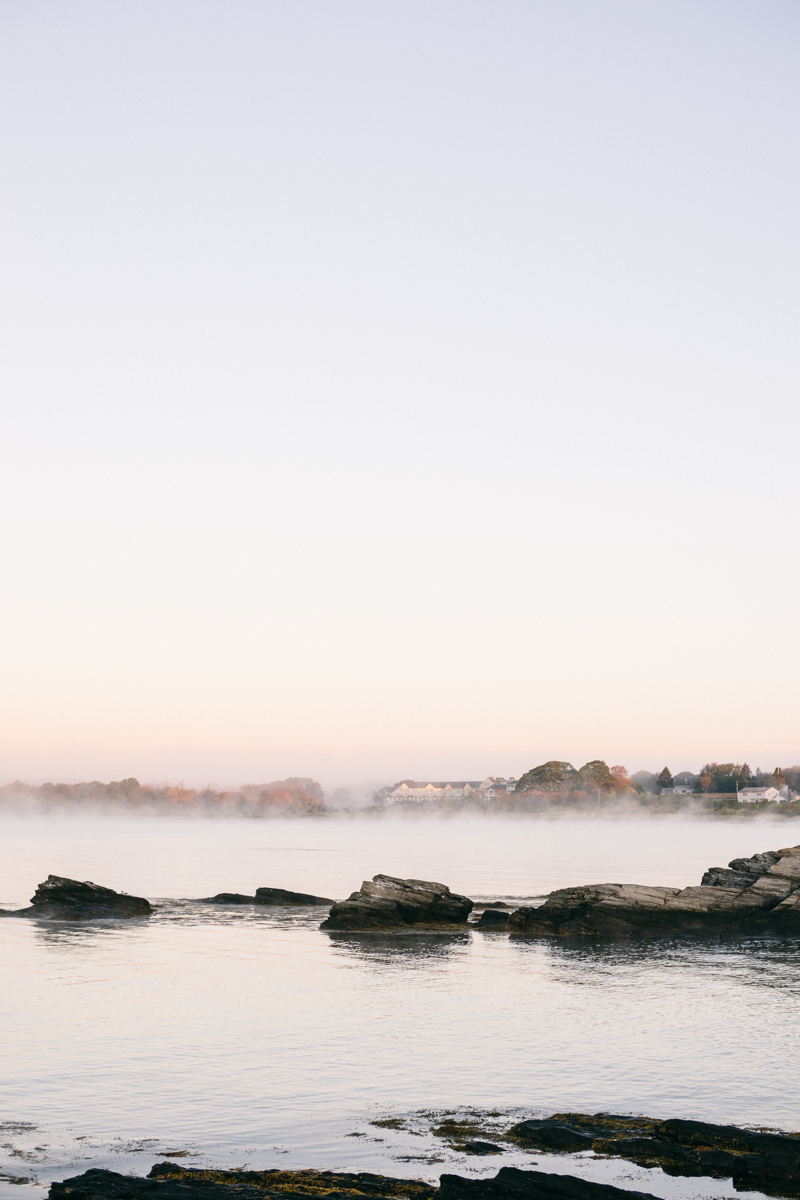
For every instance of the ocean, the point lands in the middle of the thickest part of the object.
(248, 1037)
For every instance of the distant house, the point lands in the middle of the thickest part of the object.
(419, 791)
(680, 789)
(495, 786)
(756, 795)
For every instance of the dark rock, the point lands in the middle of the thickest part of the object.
(758, 864)
(482, 1148)
(716, 1162)
(551, 1135)
(70, 900)
(722, 877)
(492, 919)
(727, 1137)
(266, 895)
(607, 1125)
(228, 898)
(755, 1160)
(758, 894)
(641, 1148)
(494, 904)
(510, 1183)
(675, 1160)
(390, 903)
(775, 1173)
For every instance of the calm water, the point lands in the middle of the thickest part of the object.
(250, 1037)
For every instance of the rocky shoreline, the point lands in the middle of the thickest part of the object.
(755, 1160)
(755, 895)
(760, 894)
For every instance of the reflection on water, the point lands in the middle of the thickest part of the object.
(396, 949)
(82, 935)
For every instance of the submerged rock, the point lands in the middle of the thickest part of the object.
(386, 902)
(267, 895)
(70, 900)
(758, 894)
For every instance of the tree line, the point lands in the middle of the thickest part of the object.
(295, 796)
(596, 776)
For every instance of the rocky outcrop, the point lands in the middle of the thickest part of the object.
(751, 895)
(755, 1160)
(64, 899)
(490, 918)
(266, 895)
(389, 903)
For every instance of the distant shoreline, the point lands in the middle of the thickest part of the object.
(697, 807)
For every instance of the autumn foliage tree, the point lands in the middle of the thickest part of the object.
(622, 779)
(595, 776)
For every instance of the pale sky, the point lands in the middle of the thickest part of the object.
(398, 389)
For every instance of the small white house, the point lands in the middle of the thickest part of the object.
(680, 789)
(756, 795)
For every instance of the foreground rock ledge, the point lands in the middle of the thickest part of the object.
(64, 899)
(168, 1182)
(386, 902)
(752, 895)
(755, 1160)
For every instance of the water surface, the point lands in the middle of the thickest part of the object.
(247, 1036)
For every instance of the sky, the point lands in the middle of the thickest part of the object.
(397, 390)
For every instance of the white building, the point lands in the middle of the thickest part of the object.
(680, 789)
(756, 795)
(491, 788)
(496, 786)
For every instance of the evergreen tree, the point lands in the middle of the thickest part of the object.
(665, 780)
